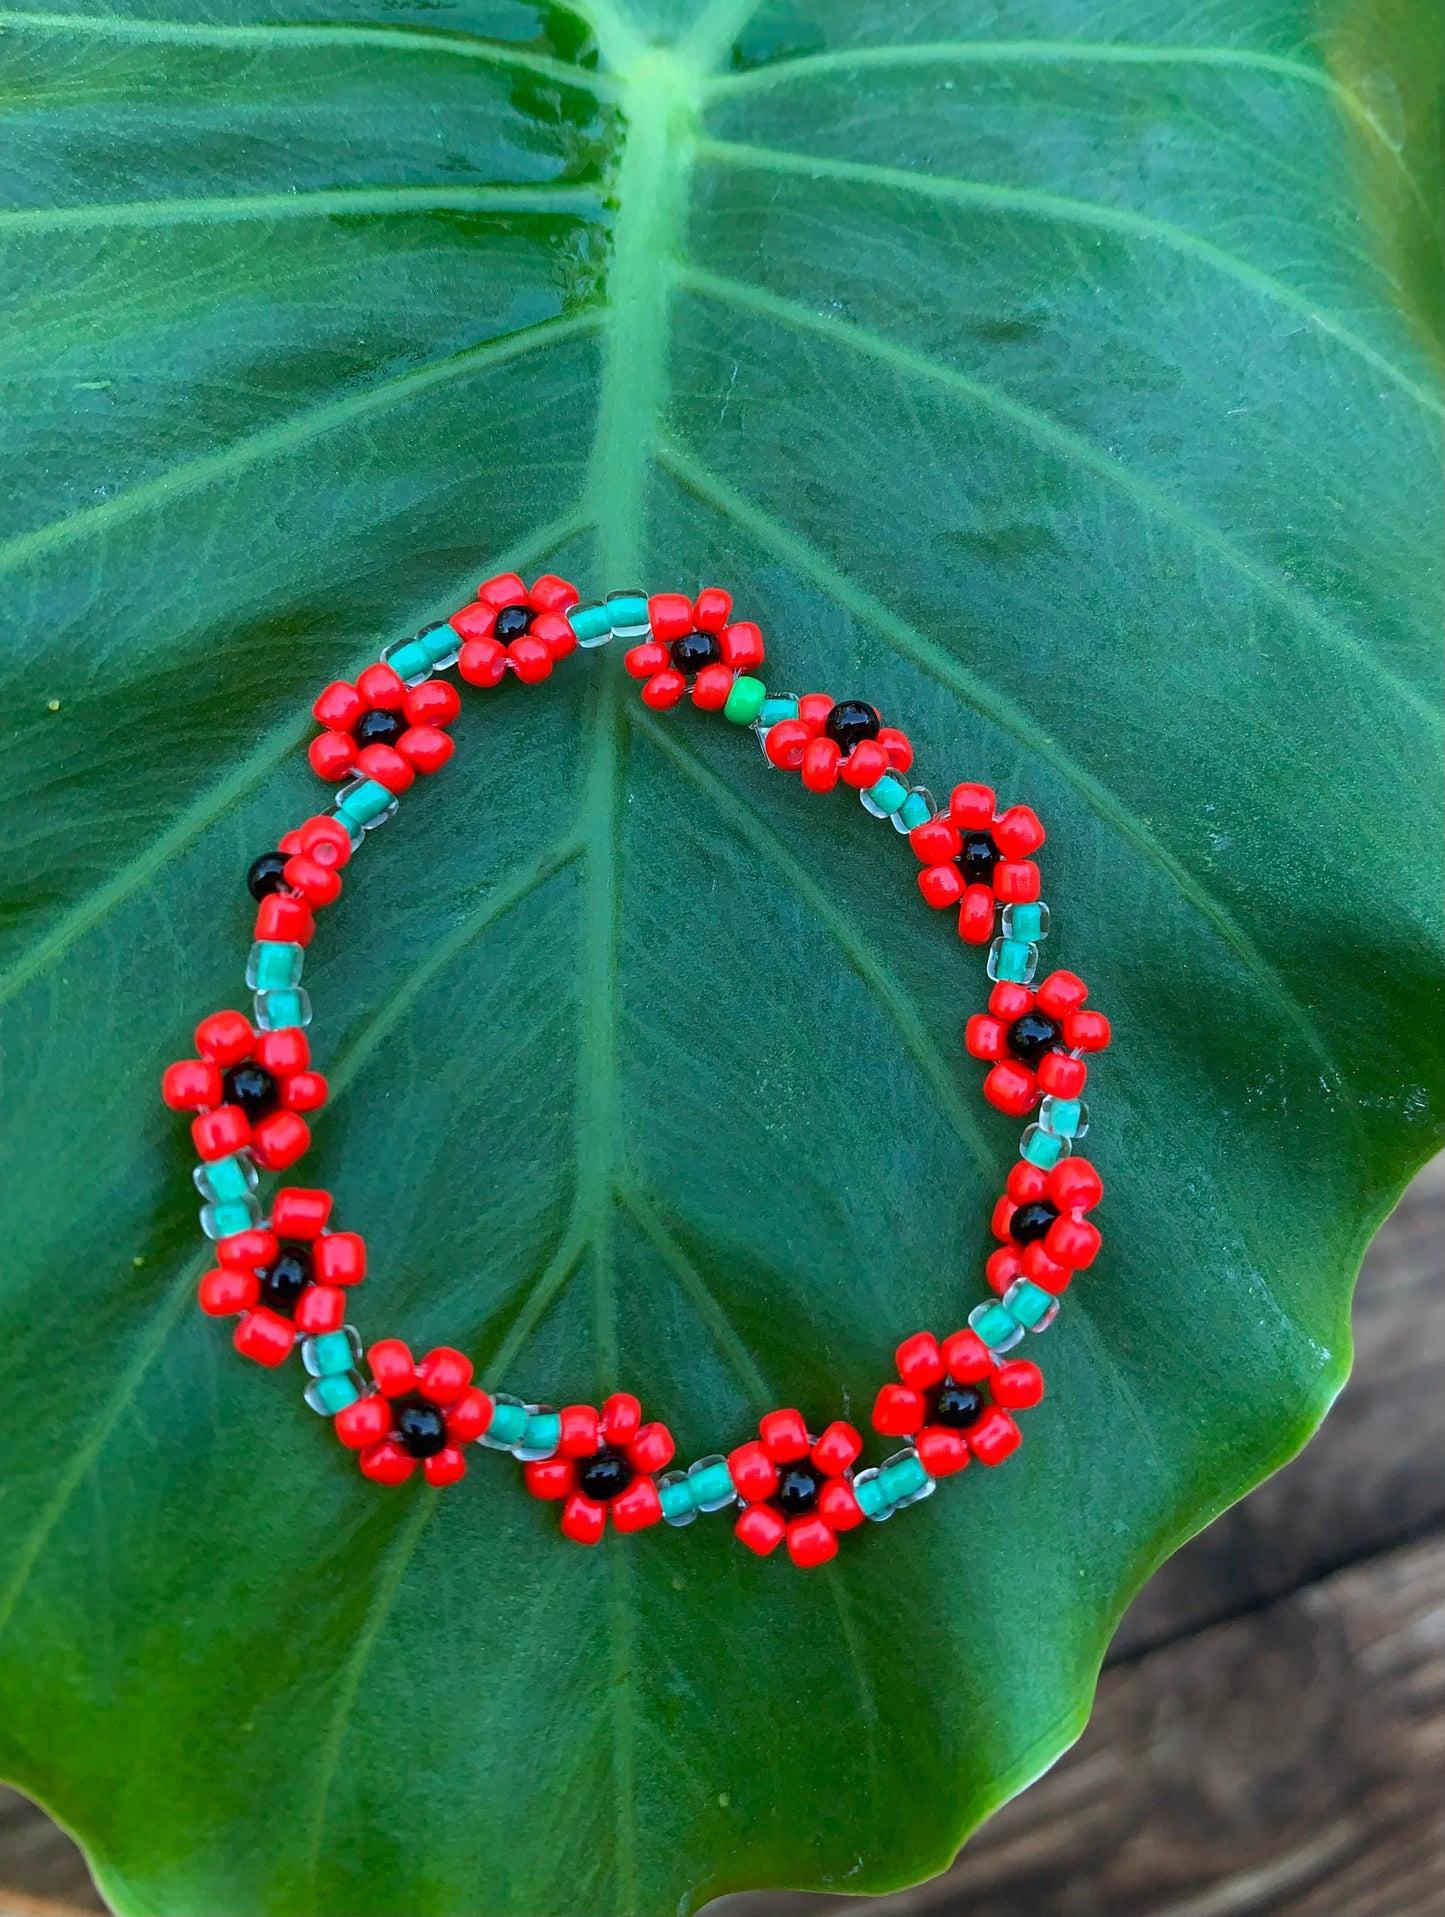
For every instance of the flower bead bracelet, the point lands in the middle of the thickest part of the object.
(286, 1274)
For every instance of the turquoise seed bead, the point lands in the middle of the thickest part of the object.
(745, 701)
(1041, 1148)
(627, 613)
(227, 1179)
(914, 811)
(1030, 1303)
(1015, 960)
(225, 1220)
(774, 711)
(333, 1392)
(871, 1496)
(330, 1354)
(590, 623)
(902, 1480)
(438, 642)
(1026, 923)
(677, 1500)
(998, 1328)
(1065, 1116)
(712, 1485)
(889, 794)
(279, 1011)
(367, 802)
(509, 1421)
(542, 1432)
(412, 660)
(274, 967)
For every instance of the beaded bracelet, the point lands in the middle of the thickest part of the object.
(287, 1276)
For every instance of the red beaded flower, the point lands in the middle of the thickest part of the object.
(287, 1278)
(837, 739)
(383, 729)
(419, 1414)
(693, 644)
(978, 855)
(509, 629)
(249, 1089)
(1040, 1219)
(944, 1407)
(796, 1487)
(1029, 1035)
(603, 1464)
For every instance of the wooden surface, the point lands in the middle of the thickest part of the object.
(1270, 1728)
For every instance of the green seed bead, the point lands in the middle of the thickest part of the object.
(332, 1392)
(1041, 1148)
(227, 1179)
(745, 701)
(542, 1432)
(677, 1500)
(774, 711)
(590, 623)
(279, 1011)
(232, 1216)
(329, 1354)
(871, 1496)
(441, 642)
(509, 1421)
(914, 810)
(367, 802)
(411, 660)
(627, 614)
(1030, 1303)
(274, 966)
(901, 1480)
(888, 794)
(712, 1485)
(998, 1328)
(1015, 961)
(1065, 1115)
(1026, 923)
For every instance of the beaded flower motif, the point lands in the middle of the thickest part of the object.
(796, 1487)
(1029, 1037)
(248, 1089)
(603, 1467)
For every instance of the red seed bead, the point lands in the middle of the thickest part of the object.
(985, 1037)
(289, 844)
(223, 1293)
(339, 1258)
(813, 710)
(482, 662)
(444, 1467)
(936, 841)
(285, 920)
(1016, 881)
(550, 1477)
(637, 1507)
(994, 1437)
(975, 915)
(1008, 1001)
(435, 702)
(1047, 1275)
(426, 747)
(324, 839)
(670, 615)
(265, 1336)
(742, 646)
(581, 1431)
(1011, 1087)
(942, 1451)
(444, 1375)
(1060, 1075)
(864, 765)
(1086, 1031)
(753, 1472)
(339, 707)
(898, 1412)
(304, 1092)
(1002, 1217)
(663, 690)
(386, 765)
(470, 1416)
(761, 1529)
(248, 1250)
(711, 687)
(1002, 1268)
(583, 1519)
(896, 745)
(810, 1542)
(920, 1362)
(318, 884)
(300, 1211)
(225, 1038)
(332, 755)
(784, 1436)
(1018, 832)
(786, 742)
(652, 1448)
(967, 1356)
(971, 807)
(837, 1506)
(364, 1422)
(475, 621)
(621, 1417)
(191, 1084)
(839, 1445)
(1061, 993)
(530, 660)
(555, 633)
(551, 593)
(711, 608)
(940, 884)
(642, 661)
(279, 1140)
(391, 1367)
(387, 1463)
(1017, 1385)
(320, 1308)
(1026, 1183)
(502, 589)
(821, 759)
(1074, 1185)
(382, 689)
(219, 1133)
(1073, 1242)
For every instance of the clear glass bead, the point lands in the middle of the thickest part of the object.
(631, 628)
(905, 819)
(1021, 1298)
(279, 1011)
(330, 1394)
(1035, 927)
(1066, 1118)
(1043, 1148)
(239, 1177)
(504, 1432)
(402, 649)
(685, 1516)
(225, 1219)
(322, 1352)
(925, 1490)
(870, 1476)
(1009, 959)
(721, 1498)
(378, 818)
(274, 964)
(528, 1454)
(595, 626)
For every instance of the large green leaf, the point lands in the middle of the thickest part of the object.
(1061, 377)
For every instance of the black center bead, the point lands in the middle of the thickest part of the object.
(264, 875)
(978, 858)
(850, 723)
(957, 1406)
(1031, 1036)
(512, 622)
(1031, 1221)
(798, 1487)
(284, 1283)
(379, 728)
(695, 650)
(606, 1474)
(252, 1088)
(420, 1428)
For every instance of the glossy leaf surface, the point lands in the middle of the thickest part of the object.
(1058, 377)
